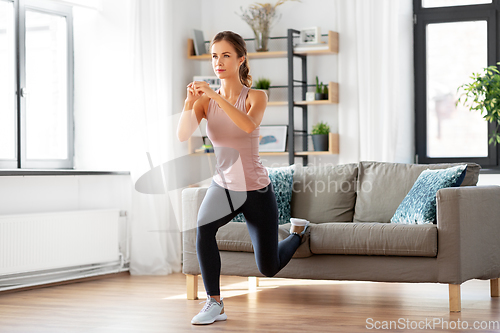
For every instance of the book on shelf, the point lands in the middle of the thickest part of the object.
(205, 149)
(199, 42)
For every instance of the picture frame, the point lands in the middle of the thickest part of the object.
(199, 42)
(273, 138)
(310, 35)
(213, 81)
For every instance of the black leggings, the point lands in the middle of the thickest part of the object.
(261, 213)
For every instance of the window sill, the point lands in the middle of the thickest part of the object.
(58, 172)
(490, 170)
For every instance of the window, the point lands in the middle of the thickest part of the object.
(453, 39)
(36, 85)
(448, 3)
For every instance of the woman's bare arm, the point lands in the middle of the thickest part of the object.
(192, 114)
(247, 121)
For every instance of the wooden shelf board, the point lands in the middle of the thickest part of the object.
(279, 103)
(284, 54)
(201, 153)
(200, 57)
(273, 153)
(333, 97)
(314, 102)
(264, 55)
(283, 103)
(299, 153)
(260, 153)
(302, 153)
(333, 42)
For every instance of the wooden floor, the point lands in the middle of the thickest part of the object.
(158, 304)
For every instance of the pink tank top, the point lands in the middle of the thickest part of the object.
(237, 152)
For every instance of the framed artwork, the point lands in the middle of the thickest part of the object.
(272, 138)
(213, 81)
(199, 42)
(310, 35)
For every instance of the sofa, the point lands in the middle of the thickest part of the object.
(351, 236)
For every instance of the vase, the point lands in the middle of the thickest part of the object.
(321, 97)
(261, 40)
(320, 142)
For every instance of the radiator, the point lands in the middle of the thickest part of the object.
(47, 247)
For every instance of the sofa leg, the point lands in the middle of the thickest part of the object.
(192, 286)
(495, 287)
(455, 299)
(253, 282)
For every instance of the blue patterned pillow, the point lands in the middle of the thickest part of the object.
(419, 205)
(282, 180)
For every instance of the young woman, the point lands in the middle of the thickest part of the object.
(241, 184)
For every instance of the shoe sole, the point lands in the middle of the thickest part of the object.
(218, 318)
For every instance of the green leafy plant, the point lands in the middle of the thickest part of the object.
(484, 91)
(320, 87)
(263, 83)
(320, 128)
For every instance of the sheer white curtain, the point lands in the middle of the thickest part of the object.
(155, 236)
(376, 110)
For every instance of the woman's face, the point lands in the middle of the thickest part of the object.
(225, 61)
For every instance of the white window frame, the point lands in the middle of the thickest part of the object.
(21, 162)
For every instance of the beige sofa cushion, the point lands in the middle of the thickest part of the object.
(374, 239)
(383, 186)
(324, 193)
(234, 236)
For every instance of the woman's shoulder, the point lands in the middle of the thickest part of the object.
(257, 95)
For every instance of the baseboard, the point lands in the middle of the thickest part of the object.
(59, 283)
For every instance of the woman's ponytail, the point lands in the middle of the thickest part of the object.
(245, 77)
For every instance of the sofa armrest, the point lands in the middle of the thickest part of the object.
(468, 222)
(191, 202)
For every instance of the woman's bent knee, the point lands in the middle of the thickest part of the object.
(268, 271)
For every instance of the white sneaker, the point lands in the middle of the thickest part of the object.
(297, 225)
(211, 312)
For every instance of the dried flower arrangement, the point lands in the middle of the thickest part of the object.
(260, 17)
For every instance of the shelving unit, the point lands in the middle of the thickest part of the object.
(333, 148)
(333, 97)
(290, 54)
(332, 48)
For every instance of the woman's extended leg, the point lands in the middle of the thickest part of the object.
(216, 210)
(261, 213)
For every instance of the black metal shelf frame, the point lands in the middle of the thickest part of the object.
(291, 104)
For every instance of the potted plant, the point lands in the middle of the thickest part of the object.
(484, 91)
(321, 90)
(263, 84)
(319, 136)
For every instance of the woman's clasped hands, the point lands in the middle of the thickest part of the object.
(197, 88)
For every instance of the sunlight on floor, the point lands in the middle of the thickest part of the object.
(244, 288)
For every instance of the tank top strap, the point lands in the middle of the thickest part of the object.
(240, 103)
